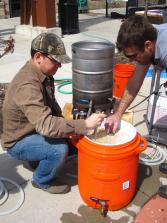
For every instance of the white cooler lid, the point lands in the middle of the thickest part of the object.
(125, 134)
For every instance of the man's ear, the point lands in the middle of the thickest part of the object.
(38, 57)
(149, 45)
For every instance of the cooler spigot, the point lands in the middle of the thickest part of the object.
(103, 205)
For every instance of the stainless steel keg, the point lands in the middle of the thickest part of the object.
(92, 74)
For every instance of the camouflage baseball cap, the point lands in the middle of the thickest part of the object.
(51, 44)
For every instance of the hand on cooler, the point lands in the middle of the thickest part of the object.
(112, 123)
(95, 120)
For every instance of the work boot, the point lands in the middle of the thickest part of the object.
(163, 168)
(162, 191)
(54, 188)
(33, 164)
(30, 165)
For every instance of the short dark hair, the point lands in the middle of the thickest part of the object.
(134, 31)
(33, 53)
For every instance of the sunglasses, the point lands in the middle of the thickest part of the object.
(53, 60)
(131, 56)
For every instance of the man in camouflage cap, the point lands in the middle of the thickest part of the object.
(51, 44)
(33, 125)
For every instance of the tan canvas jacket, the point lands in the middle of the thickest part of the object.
(30, 106)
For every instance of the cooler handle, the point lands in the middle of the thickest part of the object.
(143, 145)
(106, 176)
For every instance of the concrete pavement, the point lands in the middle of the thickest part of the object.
(40, 206)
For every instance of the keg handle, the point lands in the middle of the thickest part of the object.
(102, 203)
(90, 108)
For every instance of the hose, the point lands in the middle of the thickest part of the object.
(66, 81)
(60, 83)
(147, 97)
(156, 157)
(4, 195)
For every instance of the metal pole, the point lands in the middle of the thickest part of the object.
(106, 9)
(157, 83)
(137, 3)
(127, 5)
(146, 7)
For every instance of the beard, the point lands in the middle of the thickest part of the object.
(146, 61)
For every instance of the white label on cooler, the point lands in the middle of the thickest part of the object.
(125, 185)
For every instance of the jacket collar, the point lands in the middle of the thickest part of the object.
(35, 70)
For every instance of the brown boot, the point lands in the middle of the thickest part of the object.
(54, 188)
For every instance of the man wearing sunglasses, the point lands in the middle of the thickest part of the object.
(145, 45)
(33, 125)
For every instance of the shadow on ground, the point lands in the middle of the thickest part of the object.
(85, 23)
(143, 173)
(68, 174)
(11, 184)
(9, 169)
(85, 214)
(89, 215)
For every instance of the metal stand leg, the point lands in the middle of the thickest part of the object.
(157, 83)
(153, 129)
(153, 81)
(106, 9)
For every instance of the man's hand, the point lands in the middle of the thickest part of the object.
(95, 120)
(112, 123)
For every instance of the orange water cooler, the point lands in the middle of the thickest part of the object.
(107, 174)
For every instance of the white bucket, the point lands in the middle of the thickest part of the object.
(160, 116)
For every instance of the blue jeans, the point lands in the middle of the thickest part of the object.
(50, 152)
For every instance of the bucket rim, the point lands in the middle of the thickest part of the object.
(123, 124)
(124, 65)
(82, 42)
(108, 153)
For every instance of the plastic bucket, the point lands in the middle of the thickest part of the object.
(122, 73)
(108, 173)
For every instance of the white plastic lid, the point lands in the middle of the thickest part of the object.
(125, 134)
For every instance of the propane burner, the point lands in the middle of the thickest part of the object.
(82, 111)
